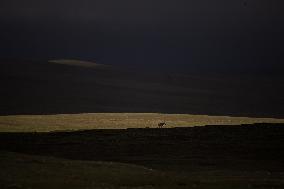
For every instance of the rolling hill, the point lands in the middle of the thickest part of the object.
(73, 86)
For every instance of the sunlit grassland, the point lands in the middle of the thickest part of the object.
(46, 123)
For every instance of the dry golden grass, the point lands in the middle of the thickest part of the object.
(46, 123)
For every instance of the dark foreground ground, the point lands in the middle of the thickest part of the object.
(247, 156)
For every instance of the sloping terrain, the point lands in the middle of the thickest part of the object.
(218, 146)
(80, 63)
(41, 87)
(247, 156)
(27, 171)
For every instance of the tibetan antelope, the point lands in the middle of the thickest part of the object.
(160, 125)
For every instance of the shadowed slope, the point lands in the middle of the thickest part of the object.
(248, 148)
(26, 171)
(30, 87)
(80, 63)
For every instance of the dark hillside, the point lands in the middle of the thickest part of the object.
(32, 87)
(256, 147)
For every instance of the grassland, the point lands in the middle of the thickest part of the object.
(26, 171)
(33, 172)
(197, 157)
(46, 123)
(72, 86)
(19, 171)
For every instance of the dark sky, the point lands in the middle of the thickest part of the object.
(211, 35)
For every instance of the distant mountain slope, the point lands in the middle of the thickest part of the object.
(81, 63)
(34, 87)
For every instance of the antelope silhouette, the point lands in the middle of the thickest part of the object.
(160, 125)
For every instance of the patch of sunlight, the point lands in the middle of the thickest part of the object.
(46, 123)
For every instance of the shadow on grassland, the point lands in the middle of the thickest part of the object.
(247, 147)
